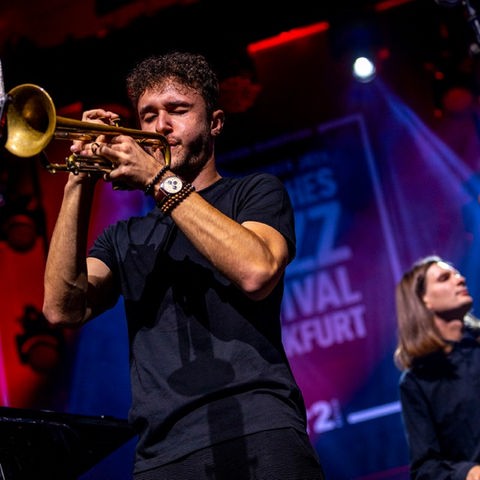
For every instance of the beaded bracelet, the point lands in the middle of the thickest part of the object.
(174, 200)
(156, 178)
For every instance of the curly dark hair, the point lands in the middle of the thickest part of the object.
(190, 69)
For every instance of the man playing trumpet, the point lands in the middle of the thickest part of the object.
(201, 276)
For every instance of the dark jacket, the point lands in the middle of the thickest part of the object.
(440, 398)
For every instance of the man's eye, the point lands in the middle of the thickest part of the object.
(179, 111)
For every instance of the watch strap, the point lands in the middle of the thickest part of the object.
(160, 195)
(172, 201)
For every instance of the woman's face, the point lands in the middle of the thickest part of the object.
(447, 296)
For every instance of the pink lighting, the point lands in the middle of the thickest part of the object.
(286, 37)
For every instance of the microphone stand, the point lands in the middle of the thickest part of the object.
(3, 104)
(472, 19)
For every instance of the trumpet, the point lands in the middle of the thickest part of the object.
(32, 123)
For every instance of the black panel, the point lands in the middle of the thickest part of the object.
(57, 446)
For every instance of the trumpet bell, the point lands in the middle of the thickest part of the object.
(32, 123)
(30, 120)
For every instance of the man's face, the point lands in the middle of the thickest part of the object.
(447, 296)
(179, 114)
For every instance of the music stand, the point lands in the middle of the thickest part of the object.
(57, 446)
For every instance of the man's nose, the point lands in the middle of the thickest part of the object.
(163, 123)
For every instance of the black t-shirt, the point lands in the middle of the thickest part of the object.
(440, 399)
(207, 364)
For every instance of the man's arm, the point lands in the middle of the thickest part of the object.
(73, 293)
(253, 255)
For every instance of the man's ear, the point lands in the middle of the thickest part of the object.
(216, 125)
(425, 301)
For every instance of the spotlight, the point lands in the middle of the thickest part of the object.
(355, 41)
(364, 69)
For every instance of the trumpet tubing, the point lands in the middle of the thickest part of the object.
(32, 123)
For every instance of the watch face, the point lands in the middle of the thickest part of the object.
(172, 185)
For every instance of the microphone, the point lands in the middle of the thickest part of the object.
(472, 323)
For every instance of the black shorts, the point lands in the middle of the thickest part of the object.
(282, 454)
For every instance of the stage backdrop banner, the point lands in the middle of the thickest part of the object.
(338, 311)
(372, 192)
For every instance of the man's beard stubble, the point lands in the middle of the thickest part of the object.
(197, 157)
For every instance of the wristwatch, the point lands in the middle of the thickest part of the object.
(168, 187)
(171, 185)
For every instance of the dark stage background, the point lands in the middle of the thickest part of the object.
(380, 174)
